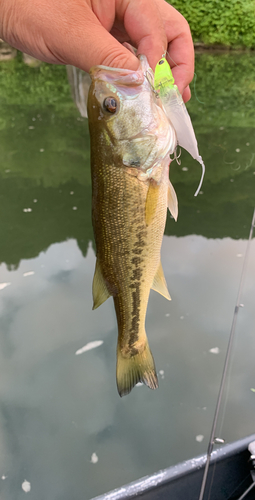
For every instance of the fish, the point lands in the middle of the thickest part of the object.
(131, 142)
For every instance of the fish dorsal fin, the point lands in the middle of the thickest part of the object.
(159, 283)
(100, 292)
(172, 201)
(151, 201)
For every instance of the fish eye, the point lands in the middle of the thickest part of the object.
(110, 104)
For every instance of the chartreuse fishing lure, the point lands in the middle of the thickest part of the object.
(176, 111)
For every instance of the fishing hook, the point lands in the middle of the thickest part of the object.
(149, 78)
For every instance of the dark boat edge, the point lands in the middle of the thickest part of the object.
(229, 469)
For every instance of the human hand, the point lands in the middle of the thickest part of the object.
(85, 33)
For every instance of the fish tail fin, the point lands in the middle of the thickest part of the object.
(138, 368)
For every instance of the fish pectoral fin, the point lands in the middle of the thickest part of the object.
(99, 289)
(159, 283)
(151, 202)
(137, 368)
(172, 201)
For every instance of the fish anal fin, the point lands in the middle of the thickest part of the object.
(99, 289)
(172, 201)
(137, 368)
(159, 283)
(151, 201)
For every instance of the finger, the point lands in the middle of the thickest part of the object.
(180, 47)
(92, 44)
(181, 59)
(144, 25)
(186, 94)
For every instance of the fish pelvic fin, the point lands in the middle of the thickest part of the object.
(99, 288)
(151, 202)
(137, 368)
(159, 283)
(172, 201)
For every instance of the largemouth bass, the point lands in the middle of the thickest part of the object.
(131, 140)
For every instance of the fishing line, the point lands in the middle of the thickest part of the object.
(250, 162)
(226, 390)
(195, 92)
(195, 77)
(226, 363)
(246, 492)
(240, 484)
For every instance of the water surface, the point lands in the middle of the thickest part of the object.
(63, 427)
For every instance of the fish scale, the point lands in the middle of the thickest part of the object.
(129, 208)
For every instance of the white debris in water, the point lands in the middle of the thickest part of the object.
(41, 150)
(139, 384)
(74, 208)
(29, 273)
(181, 317)
(204, 408)
(33, 119)
(71, 192)
(241, 305)
(239, 254)
(162, 374)
(89, 346)
(27, 209)
(3, 478)
(221, 128)
(247, 143)
(237, 150)
(94, 458)
(214, 350)
(167, 315)
(231, 180)
(199, 438)
(7, 171)
(185, 169)
(4, 285)
(31, 127)
(252, 389)
(35, 200)
(201, 192)
(26, 486)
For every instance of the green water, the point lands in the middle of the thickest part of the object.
(57, 408)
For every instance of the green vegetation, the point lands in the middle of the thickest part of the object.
(226, 22)
(42, 86)
(225, 85)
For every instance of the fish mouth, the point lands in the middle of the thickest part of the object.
(117, 76)
(121, 76)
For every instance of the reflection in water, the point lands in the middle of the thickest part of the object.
(59, 409)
